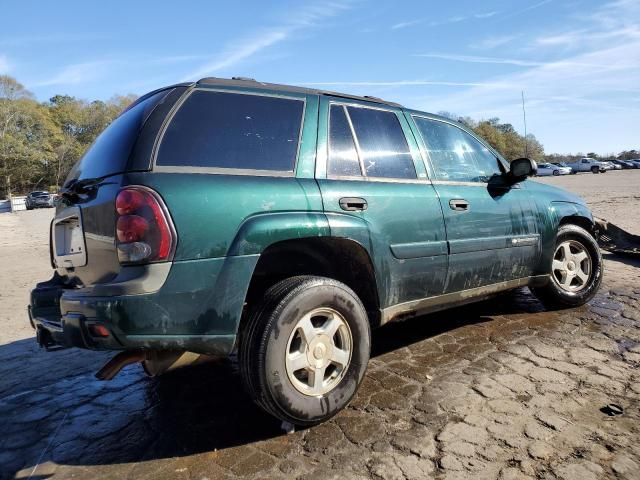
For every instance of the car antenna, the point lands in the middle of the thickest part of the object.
(524, 116)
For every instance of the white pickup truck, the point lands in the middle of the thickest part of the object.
(587, 165)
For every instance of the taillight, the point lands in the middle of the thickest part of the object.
(144, 232)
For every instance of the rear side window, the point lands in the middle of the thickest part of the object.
(455, 155)
(235, 131)
(110, 152)
(343, 156)
(383, 146)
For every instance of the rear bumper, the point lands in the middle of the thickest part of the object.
(192, 305)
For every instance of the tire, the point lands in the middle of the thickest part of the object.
(595, 170)
(556, 173)
(554, 294)
(272, 331)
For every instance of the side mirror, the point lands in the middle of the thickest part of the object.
(521, 168)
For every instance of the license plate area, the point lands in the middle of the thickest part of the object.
(69, 249)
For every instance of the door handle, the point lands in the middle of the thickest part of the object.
(352, 204)
(459, 205)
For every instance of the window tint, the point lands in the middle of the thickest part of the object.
(384, 149)
(229, 130)
(343, 157)
(455, 155)
(110, 152)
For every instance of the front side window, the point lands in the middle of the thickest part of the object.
(232, 130)
(455, 155)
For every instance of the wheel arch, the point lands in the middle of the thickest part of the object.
(562, 213)
(343, 259)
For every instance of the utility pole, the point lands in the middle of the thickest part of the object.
(524, 116)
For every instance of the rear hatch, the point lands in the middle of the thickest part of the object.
(83, 247)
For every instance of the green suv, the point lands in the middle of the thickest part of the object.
(283, 224)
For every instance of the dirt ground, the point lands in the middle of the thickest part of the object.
(501, 389)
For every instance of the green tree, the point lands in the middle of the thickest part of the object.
(26, 132)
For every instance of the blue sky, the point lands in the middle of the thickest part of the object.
(578, 61)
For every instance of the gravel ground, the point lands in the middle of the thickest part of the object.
(501, 389)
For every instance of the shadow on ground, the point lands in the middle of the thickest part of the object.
(54, 410)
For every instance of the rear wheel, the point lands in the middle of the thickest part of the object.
(576, 269)
(305, 349)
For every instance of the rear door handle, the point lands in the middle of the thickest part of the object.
(459, 204)
(352, 204)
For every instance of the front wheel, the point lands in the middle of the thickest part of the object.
(305, 349)
(576, 269)
(595, 170)
(556, 173)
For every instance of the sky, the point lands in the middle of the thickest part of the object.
(577, 61)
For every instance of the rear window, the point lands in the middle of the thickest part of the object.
(109, 153)
(233, 131)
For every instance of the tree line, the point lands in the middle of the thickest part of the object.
(41, 141)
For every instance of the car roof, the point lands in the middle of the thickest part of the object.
(251, 83)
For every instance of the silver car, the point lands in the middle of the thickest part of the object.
(39, 199)
(547, 169)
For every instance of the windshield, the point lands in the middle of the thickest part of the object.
(110, 151)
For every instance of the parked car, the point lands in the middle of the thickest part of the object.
(562, 164)
(546, 169)
(611, 166)
(40, 199)
(284, 224)
(635, 162)
(587, 165)
(624, 164)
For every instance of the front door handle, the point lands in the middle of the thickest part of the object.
(352, 204)
(459, 205)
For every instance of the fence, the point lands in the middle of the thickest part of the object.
(12, 205)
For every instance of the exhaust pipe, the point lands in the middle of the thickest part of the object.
(154, 362)
(163, 361)
(117, 363)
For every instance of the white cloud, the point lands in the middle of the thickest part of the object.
(410, 23)
(436, 23)
(239, 52)
(583, 100)
(76, 74)
(5, 66)
(503, 61)
(494, 42)
(476, 59)
(527, 9)
(246, 48)
(486, 14)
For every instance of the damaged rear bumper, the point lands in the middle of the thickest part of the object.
(186, 314)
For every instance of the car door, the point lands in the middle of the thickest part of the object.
(369, 170)
(491, 224)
